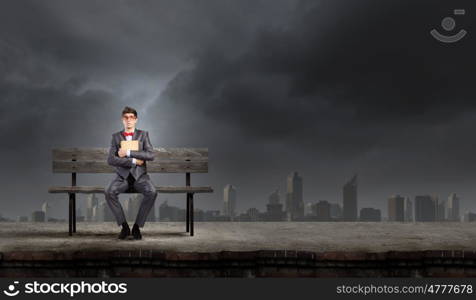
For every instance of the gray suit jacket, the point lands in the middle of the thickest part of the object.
(124, 165)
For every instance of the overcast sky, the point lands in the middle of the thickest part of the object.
(324, 88)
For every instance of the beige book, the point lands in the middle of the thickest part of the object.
(130, 145)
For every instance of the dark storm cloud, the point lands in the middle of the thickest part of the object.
(347, 74)
(104, 38)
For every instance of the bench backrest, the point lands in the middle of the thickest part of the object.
(94, 160)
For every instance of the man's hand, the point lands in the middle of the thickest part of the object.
(139, 162)
(122, 152)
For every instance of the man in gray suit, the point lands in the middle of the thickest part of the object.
(131, 173)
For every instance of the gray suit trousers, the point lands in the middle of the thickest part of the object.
(142, 185)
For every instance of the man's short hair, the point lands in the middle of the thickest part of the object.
(129, 110)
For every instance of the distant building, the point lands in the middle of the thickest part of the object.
(452, 209)
(38, 216)
(274, 209)
(369, 214)
(251, 215)
(91, 202)
(396, 211)
(469, 217)
(22, 219)
(171, 213)
(45, 208)
(425, 208)
(104, 213)
(211, 215)
(96, 213)
(349, 194)
(79, 214)
(294, 199)
(322, 211)
(408, 210)
(229, 201)
(440, 209)
(198, 215)
(336, 211)
(308, 209)
(275, 197)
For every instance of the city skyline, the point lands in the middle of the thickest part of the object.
(426, 207)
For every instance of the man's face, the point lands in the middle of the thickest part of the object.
(129, 120)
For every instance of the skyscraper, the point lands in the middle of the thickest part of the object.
(274, 209)
(452, 208)
(229, 201)
(408, 210)
(349, 193)
(45, 208)
(425, 208)
(91, 202)
(96, 213)
(294, 200)
(396, 212)
(440, 209)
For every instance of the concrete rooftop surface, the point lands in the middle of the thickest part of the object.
(243, 236)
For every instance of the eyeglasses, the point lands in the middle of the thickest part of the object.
(129, 118)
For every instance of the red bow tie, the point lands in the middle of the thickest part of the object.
(128, 133)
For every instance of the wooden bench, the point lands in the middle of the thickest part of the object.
(94, 160)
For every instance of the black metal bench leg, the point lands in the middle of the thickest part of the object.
(191, 214)
(187, 213)
(70, 214)
(74, 212)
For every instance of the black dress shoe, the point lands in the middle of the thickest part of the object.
(136, 232)
(125, 231)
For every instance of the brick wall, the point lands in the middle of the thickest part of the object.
(264, 263)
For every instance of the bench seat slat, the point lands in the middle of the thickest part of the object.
(159, 166)
(100, 189)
